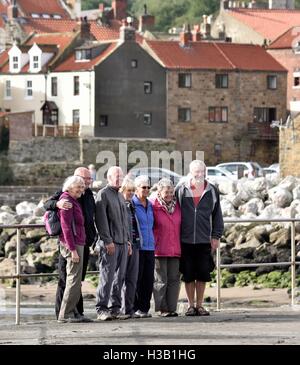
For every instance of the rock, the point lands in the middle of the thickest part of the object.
(281, 238)
(7, 209)
(258, 232)
(25, 208)
(49, 246)
(242, 252)
(11, 245)
(7, 267)
(227, 208)
(296, 192)
(227, 187)
(281, 197)
(34, 235)
(7, 218)
(271, 211)
(253, 206)
(288, 183)
(39, 212)
(252, 242)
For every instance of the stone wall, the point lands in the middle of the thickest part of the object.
(246, 91)
(20, 126)
(289, 149)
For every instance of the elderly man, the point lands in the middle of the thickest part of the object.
(87, 203)
(201, 229)
(112, 226)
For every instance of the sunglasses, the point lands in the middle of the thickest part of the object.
(145, 187)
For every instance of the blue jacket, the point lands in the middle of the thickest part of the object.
(146, 221)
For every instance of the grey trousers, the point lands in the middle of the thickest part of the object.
(166, 283)
(111, 277)
(129, 286)
(73, 282)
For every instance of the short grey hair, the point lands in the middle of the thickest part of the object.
(141, 180)
(72, 181)
(198, 164)
(164, 183)
(111, 171)
(127, 184)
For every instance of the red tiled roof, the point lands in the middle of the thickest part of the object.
(287, 40)
(213, 55)
(3, 57)
(270, 23)
(49, 25)
(70, 63)
(42, 7)
(62, 40)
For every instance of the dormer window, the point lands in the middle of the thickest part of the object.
(35, 15)
(15, 62)
(46, 16)
(35, 62)
(56, 16)
(35, 58)
(83, 54)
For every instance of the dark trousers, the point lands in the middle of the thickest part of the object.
(145, 281)
(62, 264)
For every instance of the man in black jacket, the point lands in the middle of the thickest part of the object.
(87, 203)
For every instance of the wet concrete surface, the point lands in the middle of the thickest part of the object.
(260, 326)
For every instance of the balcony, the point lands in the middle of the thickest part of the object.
(262, 131)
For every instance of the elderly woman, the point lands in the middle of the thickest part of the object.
(132, 268)
(72, 241)
(167, 219)
(144, 213)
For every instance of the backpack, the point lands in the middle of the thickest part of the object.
(52, 223)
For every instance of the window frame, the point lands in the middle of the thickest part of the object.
(29, 89)
(76, 85)
(216, 113)
(269, 82)
(76, 118)
(54, 89)
(148, 87)
(184, 115)
(219, 81)
(147, 122)
(105, 118)
(182, 80)
(265, 113)
(6, 94)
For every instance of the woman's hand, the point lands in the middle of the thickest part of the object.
(74, 256)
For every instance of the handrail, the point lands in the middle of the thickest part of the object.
(18, 276)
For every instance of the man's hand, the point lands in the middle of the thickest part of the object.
(64, 204)
(110, 249)
(74, 256)
(215, 243)
(129, 249)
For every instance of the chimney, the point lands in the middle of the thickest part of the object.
(12, 11)
(127, 31)
(185, 36)
(146, 21)
(119, 8)
(206, 27)
(196, 35)
(85, 28)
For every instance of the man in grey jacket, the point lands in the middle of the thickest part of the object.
(201, 229)
(112, 225)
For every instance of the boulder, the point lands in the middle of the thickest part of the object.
(227, 187)
(296, 192)
(253, 206)
(7, 218)
(289, 183)
(25, 208)
(50, 246)
(7, 267)
(281, 197)
(11, 245)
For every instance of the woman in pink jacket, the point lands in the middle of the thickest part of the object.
(167, 219)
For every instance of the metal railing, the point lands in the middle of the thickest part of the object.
(19, 276)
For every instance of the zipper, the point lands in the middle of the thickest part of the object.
(195, 217)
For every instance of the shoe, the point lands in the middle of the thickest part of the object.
(202, 311)
(133, 315)
(164, 314)
(191, 312)
(141, 314)
(173, 314)
(123, 316)
(68, 320)
(104, 316)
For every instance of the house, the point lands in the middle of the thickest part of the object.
(286, 50)
(240, 24)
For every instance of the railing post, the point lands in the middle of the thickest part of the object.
(218, 278)
(18, 280)
(293, 263)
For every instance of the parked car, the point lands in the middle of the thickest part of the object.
(240, 169)
(155, 174)
(216, 174)
(269, 170)
(274, 167)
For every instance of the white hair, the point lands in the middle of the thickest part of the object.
(164, 183)
(111, 171)
(141, 180)
(127, 184)
(197, 164)
(72, 181)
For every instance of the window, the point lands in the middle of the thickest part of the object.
(56, 16)
(297, 81)
(264, 115)
(35, 62)
(272, 82)
(83, 54)
(46, 16)
(7, 89)
(34, 15)
(221, 81)
(15, 62)
(76, 117)
(147, 118)
(147, 87)
(218, 114)
(185, 80)
(184, 115)
(218, 153)
(29, 92)
(134, 63)
(53, 86)
(76, 85)
(103, 122)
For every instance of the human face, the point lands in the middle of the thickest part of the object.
(167, 194)
(142, 191)
(86, 175)
(198, 174)
(116, 178)
(76, 190)
(128, 193)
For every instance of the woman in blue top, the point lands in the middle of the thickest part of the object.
(144, 213)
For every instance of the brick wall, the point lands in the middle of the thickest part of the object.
(20, 126)
(246, 91)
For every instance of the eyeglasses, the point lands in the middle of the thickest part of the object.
(145, 187)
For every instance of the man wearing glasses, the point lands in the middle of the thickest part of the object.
(87, 203)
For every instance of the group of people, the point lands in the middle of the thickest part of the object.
(147, 243)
